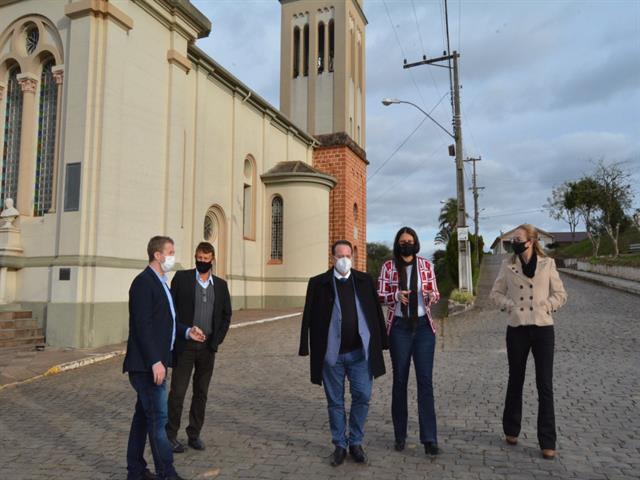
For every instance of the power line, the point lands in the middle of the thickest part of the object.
(512, 213)
(406, 139)
(413, 172)
(404, 55)
(424, 51)
(397, 148)
(415, 17)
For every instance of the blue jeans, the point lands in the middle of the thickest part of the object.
(404, 343)
(150, 418)
(355, 367)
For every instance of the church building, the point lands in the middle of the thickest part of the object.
(116, 127)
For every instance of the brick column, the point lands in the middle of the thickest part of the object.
(339, 156)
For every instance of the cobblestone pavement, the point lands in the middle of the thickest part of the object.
(266, 421)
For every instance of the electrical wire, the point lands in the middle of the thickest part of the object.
(405, 140)
(404, 55)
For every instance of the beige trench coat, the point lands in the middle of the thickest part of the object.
(528, 301)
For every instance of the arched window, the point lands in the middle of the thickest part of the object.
(305, 60)
(321, 54)
(331, 44)
(296, 52)
(249, 199)
(276, 228)
(355, 257)
(12, 129)
(46, 140)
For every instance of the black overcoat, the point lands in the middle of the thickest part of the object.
(317, 317)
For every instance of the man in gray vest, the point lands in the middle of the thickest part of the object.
(201, 299)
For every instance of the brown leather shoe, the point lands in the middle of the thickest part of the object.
(511, 440)
(548, 454)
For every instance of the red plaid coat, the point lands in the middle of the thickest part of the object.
(388, 287)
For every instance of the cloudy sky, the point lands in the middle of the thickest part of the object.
(548, 87)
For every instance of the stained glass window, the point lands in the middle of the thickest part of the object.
(276, 228)
(11, 148)
(46, 141)
(33, 36)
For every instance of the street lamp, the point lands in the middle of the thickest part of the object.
(464, 252)
(390, 101)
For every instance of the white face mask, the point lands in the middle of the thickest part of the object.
(343, 265)
(168, 264)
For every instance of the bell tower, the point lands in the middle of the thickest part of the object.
(322, 89)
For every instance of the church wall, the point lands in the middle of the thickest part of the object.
(159, 142)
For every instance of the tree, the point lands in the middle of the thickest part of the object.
(377, 254)
(562, 205)
(587, 192)
(615, 196)
(448, 221)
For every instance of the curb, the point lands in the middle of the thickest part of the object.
(455, 309)
(264, 320)
(95, 358)
(63, 367)
(602, 280)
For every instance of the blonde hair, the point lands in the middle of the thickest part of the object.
(532, 234)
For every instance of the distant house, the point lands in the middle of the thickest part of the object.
(502, 244)
(560, 239)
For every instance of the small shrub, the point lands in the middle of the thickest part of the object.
(461, 297)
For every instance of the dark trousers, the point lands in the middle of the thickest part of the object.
(149, 419)
(196, 358)
(405, 343)
(540, 340)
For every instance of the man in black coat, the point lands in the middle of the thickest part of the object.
(202, 300)
(344, 325)
(153, 331)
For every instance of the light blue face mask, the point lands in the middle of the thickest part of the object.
(343, 265)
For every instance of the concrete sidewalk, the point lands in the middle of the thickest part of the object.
(613, 282)
(19, 366)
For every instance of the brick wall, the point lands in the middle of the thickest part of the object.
(350, 170)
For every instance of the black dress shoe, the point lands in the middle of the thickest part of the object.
(357, 453)
(431, 448)
(338, 456)
(399, 445)
(176, 446)
(196, 443)
(149, 476)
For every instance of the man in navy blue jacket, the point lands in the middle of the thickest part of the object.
(152, 333)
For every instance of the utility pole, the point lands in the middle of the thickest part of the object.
(465, 282)
(476, 212)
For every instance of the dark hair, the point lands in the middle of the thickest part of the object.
(396, 242)
(205, 247)
(156, 244)
(341, 242)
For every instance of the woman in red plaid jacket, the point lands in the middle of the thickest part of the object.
(407, 287)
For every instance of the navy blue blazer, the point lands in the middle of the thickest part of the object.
(150, 324)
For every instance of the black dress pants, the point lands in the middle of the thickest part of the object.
(196, 358)
(540, 340)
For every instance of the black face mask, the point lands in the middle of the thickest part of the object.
(518, 247)
(406, 250)
(203, 267)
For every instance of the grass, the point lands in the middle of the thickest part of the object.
(584, 249)
(461, 297)
(630, 260)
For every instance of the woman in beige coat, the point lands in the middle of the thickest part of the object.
(529, 289)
